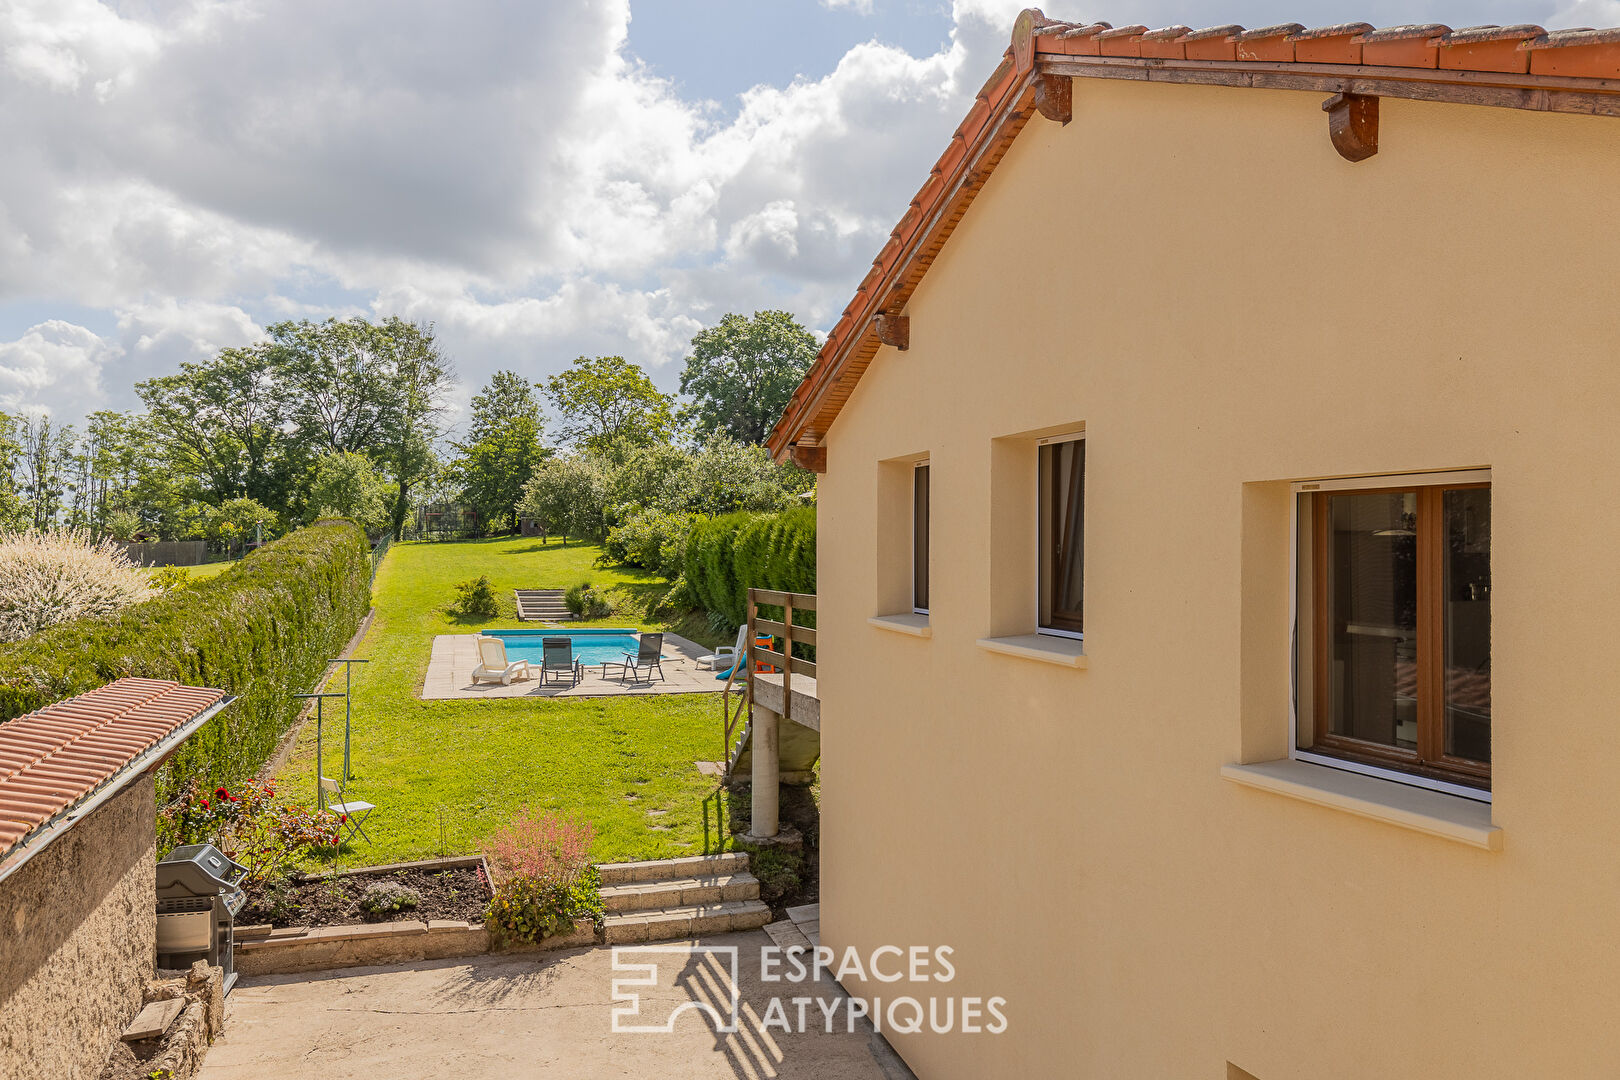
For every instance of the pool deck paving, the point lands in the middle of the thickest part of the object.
(552, 1015)
(454, 656)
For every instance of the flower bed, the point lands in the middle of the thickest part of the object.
(422, 892)
(402, 937)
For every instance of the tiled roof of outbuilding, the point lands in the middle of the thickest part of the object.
(53, 759)
(1523, 66)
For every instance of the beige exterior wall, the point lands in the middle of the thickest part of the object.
(1226, 305)
(78, 933)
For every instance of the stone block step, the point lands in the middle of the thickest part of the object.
(679, 892)
(730, 862)
(671, 923)
(785, 935)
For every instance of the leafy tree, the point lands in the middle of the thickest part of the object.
(659, 475)
(236, 521)
(337, 378)
(569, 493)
(495, 469)
(730, 476)
(508, 397)
(502, 449)
(742, 372)
(610, 406)
(346, 485)
(47, 460)
(221, 423)
(418, 376)
(13, 513)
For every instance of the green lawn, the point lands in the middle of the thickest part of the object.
(443, 774)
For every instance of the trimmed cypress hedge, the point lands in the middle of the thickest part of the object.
(729, 554)
(262, 631)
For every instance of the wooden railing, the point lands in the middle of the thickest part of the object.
(754, 655)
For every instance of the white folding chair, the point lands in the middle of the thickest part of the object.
(353, 813)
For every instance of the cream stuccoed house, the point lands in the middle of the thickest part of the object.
(1231, 423)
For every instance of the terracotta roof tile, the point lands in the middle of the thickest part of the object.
(1520, 53)
(54, 758)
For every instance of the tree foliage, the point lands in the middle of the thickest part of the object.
(608, 405)
(741, 373)
(502, 450)
(569, 493)
(347, 485)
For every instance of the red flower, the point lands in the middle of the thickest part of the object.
(221, 791)
(344, 818)
(205, 804)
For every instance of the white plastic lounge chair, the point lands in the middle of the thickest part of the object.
(352, 811)
(493, 665)
(725, 656)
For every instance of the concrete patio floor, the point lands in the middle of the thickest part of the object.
(454, 656)
(540, 1015)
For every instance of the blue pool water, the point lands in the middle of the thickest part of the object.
(590, 646)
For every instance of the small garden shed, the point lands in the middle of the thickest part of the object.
(78, 925)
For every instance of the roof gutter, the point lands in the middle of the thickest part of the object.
(146, 761)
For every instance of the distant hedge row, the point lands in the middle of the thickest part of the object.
(729, 554)
(262, 630)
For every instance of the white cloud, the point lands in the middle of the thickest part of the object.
(863, 7)
(516, 178)
(55, 367)
(509, 172)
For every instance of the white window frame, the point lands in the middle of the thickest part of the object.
(1351, 483)
(1050, 631)
(922, 464)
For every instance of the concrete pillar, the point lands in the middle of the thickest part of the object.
(766, 745)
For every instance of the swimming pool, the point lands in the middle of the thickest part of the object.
(591, 647)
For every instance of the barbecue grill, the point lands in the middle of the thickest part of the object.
(199, 892)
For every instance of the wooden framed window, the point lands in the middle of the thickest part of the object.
(919, 538)
(1398, 584)
(1062, 536)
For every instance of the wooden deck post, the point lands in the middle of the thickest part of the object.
(765, 739)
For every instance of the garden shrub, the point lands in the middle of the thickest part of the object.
(546, 882)
(475, 599)
(652, 539)
(583, 601)
(263, 631)
(167, 578)
(388, 897)
(250, 827)
(59, 575)
(728, 555)
(778, 872)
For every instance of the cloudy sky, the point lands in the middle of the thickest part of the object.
(540, 178)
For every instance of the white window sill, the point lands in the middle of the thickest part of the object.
(1450, 817)
(915, 625)
(1067, 652)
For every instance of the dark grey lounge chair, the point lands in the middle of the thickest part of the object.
(647, 658)
(558, 663)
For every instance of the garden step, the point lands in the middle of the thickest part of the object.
(665, 924)
(542, 605)
(730, 862)
(678, 892)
